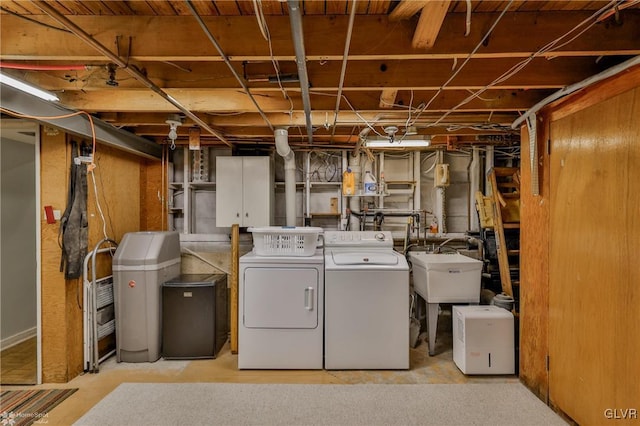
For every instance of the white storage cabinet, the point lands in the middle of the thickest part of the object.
(244, 191)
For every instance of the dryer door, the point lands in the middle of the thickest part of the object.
(280, 298)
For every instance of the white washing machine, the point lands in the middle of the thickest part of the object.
(366, 305)
(280, 324)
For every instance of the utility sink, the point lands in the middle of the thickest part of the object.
(444, 278)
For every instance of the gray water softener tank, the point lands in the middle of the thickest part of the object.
(142, 262)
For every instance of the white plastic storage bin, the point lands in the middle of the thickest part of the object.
(446, 278)
(483, 340)
(142, 262)
(285, 241)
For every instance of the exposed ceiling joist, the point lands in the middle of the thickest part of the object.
(402, 68)
(518, 35)
(431, 18)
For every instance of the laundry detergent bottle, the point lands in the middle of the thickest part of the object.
(370, 184)
(348, 183)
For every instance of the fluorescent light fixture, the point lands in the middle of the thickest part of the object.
(32, 90)
(408, 142)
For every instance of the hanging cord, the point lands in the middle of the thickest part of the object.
(343, 71)
(467, 59)
(98, 207)
(90, 167)
(264, 29)
(549, 47)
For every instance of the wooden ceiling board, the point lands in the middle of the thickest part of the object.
(80, 8)
(118, 7)
(162, 7)
(337, 7)
(205, 7)
(379, 7)
(316, 7)
(141, 8)
(20, 7)
(488, 6)
(531, 6)
(246, 8)
(381, 59)
(227, 8)
(362, 7)
(273, 7)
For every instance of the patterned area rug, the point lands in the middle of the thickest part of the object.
(26, 407)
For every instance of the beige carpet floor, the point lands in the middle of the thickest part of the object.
(285, 404)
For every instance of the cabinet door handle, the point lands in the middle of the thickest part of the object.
(308, 298)
(246, 215)
(237, 214)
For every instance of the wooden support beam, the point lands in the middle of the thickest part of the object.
(345, 118)
(388, 98)
(429, 24)
(194, 138)
(135, 107)
(518, 35)
(235, 263)
(406, 9)
(414, 75)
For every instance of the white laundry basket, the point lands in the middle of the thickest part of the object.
(285, 241)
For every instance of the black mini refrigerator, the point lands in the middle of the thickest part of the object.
(195, 320)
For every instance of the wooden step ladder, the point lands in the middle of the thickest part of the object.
(505, 192)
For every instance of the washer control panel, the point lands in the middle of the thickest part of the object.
(358, 239)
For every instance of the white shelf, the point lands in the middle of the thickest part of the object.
(211, 185)
(283, 183)
(325, 184)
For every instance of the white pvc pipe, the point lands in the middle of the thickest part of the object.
(285, 151)
(416, 177)
(610, 72)
(354, 202)
(488, 165)
(474, 185)
(439, 208)
(380, 180)
(307, 186)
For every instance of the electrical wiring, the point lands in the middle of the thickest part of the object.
(467, 29)
(549, 47)
(98, 207)
(264, 29)
(257, 7)
(90, 167)
(467, 59)
(53, 27)
(406, 123)
(60, 117)
(364, 120)
(345, 57)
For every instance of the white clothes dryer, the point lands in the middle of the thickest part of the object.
(280, 324)
(366, 302)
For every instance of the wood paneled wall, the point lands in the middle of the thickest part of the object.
(152, 195)
(534, 265)
(118, 183)
(54, 178)
(594, 292)
(579, 278)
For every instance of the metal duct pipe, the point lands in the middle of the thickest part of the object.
(284, 150)
(135, 73)
(295, 17)
(354, 202)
